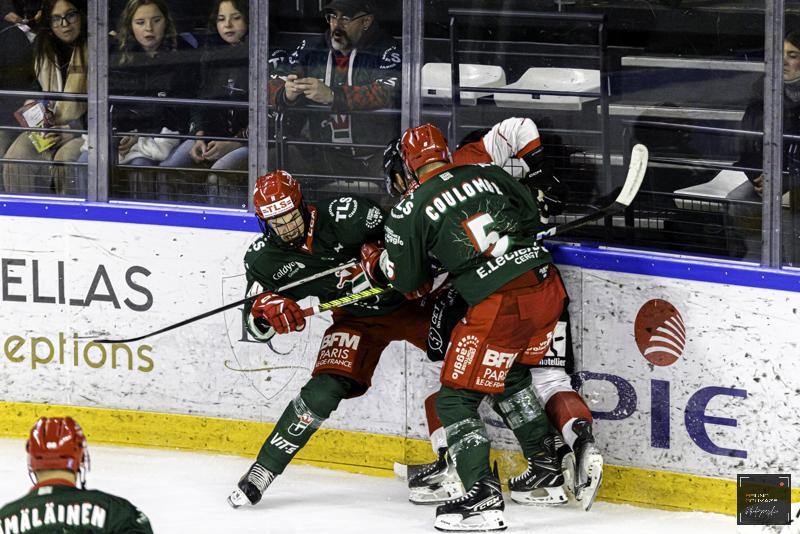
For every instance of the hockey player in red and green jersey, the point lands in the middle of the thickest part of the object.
(301, 239)
(479, 224)
(518, 138)
(57, 461)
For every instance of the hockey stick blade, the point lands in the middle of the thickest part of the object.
(230, 305)
(633, 181)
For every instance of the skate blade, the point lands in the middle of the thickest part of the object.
(489, 521)
(237, 498)
(401, 471)
(554, 496)
(426, 495)
(568, 470)
(587, 493)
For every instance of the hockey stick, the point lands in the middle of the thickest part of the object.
(345, 300)
(232, 305)
(636, 170)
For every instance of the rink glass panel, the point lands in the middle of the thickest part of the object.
(678, 77)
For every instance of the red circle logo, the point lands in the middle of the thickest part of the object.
(660, 333)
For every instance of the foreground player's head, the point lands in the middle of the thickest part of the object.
(57, 450)
(423, 148)
(279, 209)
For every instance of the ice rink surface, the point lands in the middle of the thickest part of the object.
(185, 493)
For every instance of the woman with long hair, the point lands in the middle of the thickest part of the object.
(60, 65)
(147, 64)
(225, 77)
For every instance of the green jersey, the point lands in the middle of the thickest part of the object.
(61, 509)
(336, 230)
(476, 221)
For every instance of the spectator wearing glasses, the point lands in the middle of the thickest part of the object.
(353, 66)
(60, 65)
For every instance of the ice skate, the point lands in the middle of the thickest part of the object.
(436, 482)
(251, 486)
(409, 471)
(479, 510)
(542, 483)
(588, 465)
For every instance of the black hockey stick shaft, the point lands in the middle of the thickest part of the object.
(231, 305)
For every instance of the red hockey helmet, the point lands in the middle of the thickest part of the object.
(422, 145)
(57, 443)
(277, 193)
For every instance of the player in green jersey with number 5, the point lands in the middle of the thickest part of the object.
(479, 224)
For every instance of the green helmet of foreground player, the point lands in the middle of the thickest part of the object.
(280, 209)
(57, 444)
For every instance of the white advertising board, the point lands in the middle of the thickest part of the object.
(65, 282)
(683, 376)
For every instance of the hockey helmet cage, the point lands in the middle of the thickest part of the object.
(276, 193)
(423, 145)
(394, 172)
(57, 443)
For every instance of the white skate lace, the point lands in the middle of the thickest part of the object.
(260, 477)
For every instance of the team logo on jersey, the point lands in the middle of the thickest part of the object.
(465, 350)
(343, 208)
(374, 217)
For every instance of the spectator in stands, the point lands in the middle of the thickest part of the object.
(60, 65)
(149, 63)
(225, 77)
(744, 228)
(353, 66)
(26, 12)
(16, 66)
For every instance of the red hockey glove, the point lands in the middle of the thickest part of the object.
(370, 263)
(283, 314)
(420, 292)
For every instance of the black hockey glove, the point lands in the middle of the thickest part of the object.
(548, 190)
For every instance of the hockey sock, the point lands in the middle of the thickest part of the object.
(435, 429)
(466, 434)
(301, 418)
(521, 411)
(563, 408)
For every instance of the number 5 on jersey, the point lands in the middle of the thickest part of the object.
(486, 243)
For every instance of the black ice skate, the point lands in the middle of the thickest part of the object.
(436, 482)
(479, 510)
(588, 464)
(542, 483)
(251, 486)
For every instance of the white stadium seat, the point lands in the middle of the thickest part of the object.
(717, 188)
(553, 79)
(436, 80)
